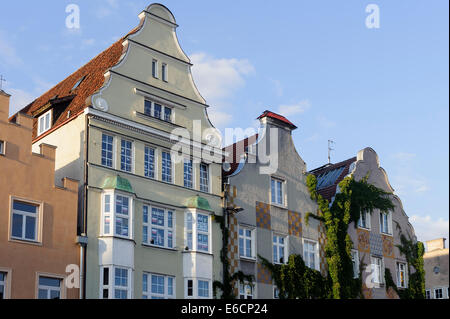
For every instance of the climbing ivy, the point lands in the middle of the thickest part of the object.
(227, 286)
(296, 280)
(354, 198)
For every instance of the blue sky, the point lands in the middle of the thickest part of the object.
(314, 61)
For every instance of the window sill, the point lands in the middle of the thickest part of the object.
(387, 234)
(25, 241)
(360, 227)
(197, 252)
(159, 247)
(117, 237)
(251, 259)
(279, 205)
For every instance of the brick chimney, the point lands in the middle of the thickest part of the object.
(435, 244)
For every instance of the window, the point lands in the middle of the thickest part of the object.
(158, 111)
(2, 148)
(438, 293)
(25, 221)
(245, 291)
(149, 162)
(78, 83)
(246, 241)
(107, 150)
(190, 288)
(204, 178)
(385, 223)
(364, 220)
(105, 285)
(158, 286)
(155, 69)
(310, 254)
(49, 288)
(277, 191)
(203, 289)
(355, 263)
(401, 275)
(44, 122)
(279, 246)
(377, 270)
(158, 228)
(428, 294)
(3, 285)
(166, 167)
(276, 293)
(126, 156)
(116, 212)
(188, 173)
(164, 72)
(120, 283)
(197, 232)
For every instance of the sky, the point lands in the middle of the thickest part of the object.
(316, 62)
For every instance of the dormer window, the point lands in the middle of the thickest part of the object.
(78, 83)
(164, 72)
(158, 111)
(44, 122)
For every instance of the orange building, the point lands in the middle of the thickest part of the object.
(38, 220)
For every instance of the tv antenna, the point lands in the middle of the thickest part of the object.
(330, 143)
(2, 79)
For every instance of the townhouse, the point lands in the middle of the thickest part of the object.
(377, 235)
(272, 200)
(132, 126)
(39, 248)
(436, 269)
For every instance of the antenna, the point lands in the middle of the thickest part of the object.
(2, 79)
(330, 143)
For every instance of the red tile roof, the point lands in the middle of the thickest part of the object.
(277, 117)
(68, 104)
(329, 191)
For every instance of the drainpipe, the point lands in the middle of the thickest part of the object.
(82, 241)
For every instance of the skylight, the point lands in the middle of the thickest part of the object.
(329, 178)
(78, 83)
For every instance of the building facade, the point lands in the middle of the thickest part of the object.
(38, 219)
(133, 127)
(377, 235)
(273, 205)
(436, 269)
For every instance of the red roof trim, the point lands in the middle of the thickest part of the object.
(278, 117)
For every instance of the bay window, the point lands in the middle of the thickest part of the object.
(197, 231)
(117, 214)
(158, 227)
(115, 282)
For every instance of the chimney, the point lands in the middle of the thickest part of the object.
(435, 244)
(278, 120)
(4, 105)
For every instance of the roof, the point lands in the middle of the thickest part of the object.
(198, 202)
(330, 175)
(117, 182)
(68, 101)
(277, 117)
(235, 152)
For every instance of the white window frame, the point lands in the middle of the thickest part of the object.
(151, 295)
(442, 292)
(192, 181)
(243, 293)
(42, 130)
(6, 282)
(368, 220)
(428, 291)
(195, 231)
(195, 286)
(282, 184)
(375, 268)
(206, 188)
(162, 116)
(316, 253)
(355, 263)
(405, 274)
(155, 161)
(131, 156)
(155, 69)
(244, 237)
(198, 288)
(164, 72)
(105, 286)
(113, 285)
(149, 225)
(113, 214)
(389, 223)
(277, 245)
(38, 222)
(113, 152)
(2, 147)
(61, 289)
(172, 170)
